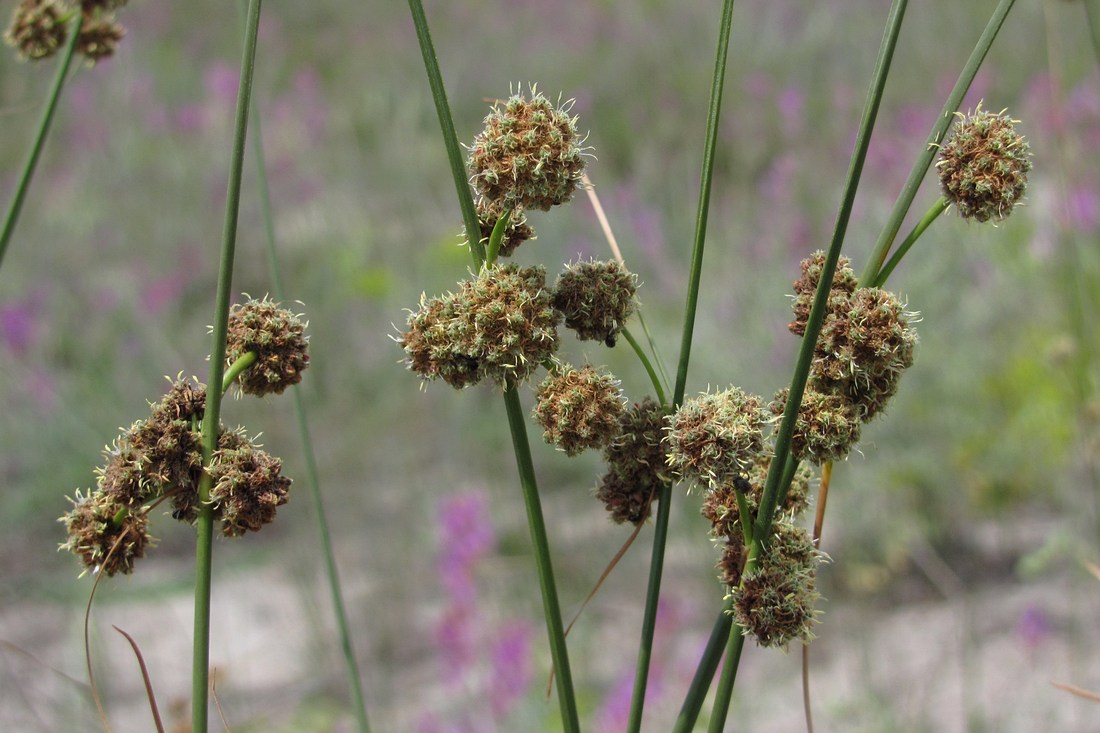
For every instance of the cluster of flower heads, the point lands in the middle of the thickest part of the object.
(983, 167)
(160, 459)
(39, 28)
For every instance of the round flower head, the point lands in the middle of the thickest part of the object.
(106, 535)
(436, 341)
(844, 283)
(579, 408)
(720, 502)
(827, 426)
(277, 338)
(37, 28)
(528, 156)
(863, 350)
(714, 438)
(636, 467)
(596, 298)
(99, 38)
(983, 167)
(775, 601)
(248, 487)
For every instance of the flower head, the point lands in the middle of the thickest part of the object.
(983, 167)
(248, 487)
(636, 467)
(714, 438)
(596, 298)
(37, 28)
(276, 336)
(528, 156)
(844, 284)
(106, 535)
(579, 408)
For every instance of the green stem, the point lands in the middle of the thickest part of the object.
(1092, 15)
(653, 378)
(44, 125)
(450, 138)
(660, 533)
(704, 673)
(497, 237)
(210, 422)
(517, 422)
(339, 607)
(734, 645)
(939, 129)
(930, 216)
(236, 369)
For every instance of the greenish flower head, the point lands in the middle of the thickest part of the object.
(714, 438)
(276, 336)
(596, 298)
(983, 166)
(826, 429)
(528, 156)
(579, 408)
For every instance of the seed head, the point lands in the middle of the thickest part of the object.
(844, 283)
(99, 37)
(528, 156)
(276, 335)
(579, 408)
(596, 298)
(827, 426)
(516, 233)
(636, 468)
(714, 438)
(106, 535)
(37, 28)
(248, 487)
(983, 167)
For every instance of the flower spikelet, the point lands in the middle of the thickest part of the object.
(37, 29)
(636, 467)
(436, 342)
(844, 284)
(720, 502)
(596, 298)
(99, 38)
(106, 535)
(516, 233)
(827, 426)
(277, 336)
(863, 350)
(775, 601)
(983, 167)
(528, 156)
(579, 408)
(714, 438)
(248, 487)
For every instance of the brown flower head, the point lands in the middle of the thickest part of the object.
(99, 38)
(516, 233)
(106, 535)
(596, 298)
(713, 438)
(844, 284)
(636, 468)
(579, 408)
(983, 167)
(37, 28)
(827, 427)
(276, 336)
(248, 487)
(529, 155)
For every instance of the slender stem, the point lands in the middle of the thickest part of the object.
(939, 129)
(653, 378)
(497, 237)
(450, 138)
(734, 645)
(44, 125)
(941, 205)
(704, 673)
(1092, 14)
(210, 422)
(660, 533)
(236, 369)
(336, 593)
(517, 422)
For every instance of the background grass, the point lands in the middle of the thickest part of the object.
(981, 460)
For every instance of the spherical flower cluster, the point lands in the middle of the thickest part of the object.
(596, 298)
(37, 28)
(713, 438)
(248, 487)
(529, 155)
(720, 505)
(579, 408)
(276, 336)
(826, 429)
(774, 602)
(99, 38)
(105, 534)
(983, 167)
(636, 468)
(863, 349)
(500, 325)
(844, 284)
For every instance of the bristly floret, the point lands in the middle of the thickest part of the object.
(579, 408)
(844, 284)
(596, 298)
(248, 487)
(636, 468)
(37, 29)
(983, 167)
(528, 156)
(714, 438)
(500, 325)
(516, 233)
(276, 336)
(106, 535)
(827, 428)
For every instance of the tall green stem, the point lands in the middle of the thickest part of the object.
(44, 125)
(516, 417)
(332, 575)
(939, 129)
(205, 523)
(930, 216)
(664, 501)
(517, 422)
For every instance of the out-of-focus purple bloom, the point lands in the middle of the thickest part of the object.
(465, 528)
(510, 666)
(1084, 208)
(221, 80)
(19, 325)
(1033, 627)
(791, 103)
(456, 640)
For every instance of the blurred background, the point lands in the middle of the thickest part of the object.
(957, 591)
